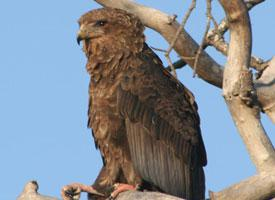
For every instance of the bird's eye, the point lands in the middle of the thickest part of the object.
(100, 22)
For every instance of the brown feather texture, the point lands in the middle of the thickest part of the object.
(144, 121)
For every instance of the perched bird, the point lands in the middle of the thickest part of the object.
(144, 121)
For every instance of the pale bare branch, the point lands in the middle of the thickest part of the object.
(264, 85)
(215, 38)
(180, 28)
(30, 192)
(238, 86)
(240, 96)
(209, 17)
(260, 187)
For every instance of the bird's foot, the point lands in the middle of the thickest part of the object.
(121, 187)
(72, 191)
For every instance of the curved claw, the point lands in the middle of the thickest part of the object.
(73, 191)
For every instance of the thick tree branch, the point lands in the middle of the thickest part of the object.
(240, 97)
(238, 86)
(264, 86)
(30, 192)
(260, 187)
(145, 196)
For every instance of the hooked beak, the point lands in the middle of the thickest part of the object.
(80, 36)
(84, 34)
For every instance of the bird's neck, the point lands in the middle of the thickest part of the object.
(105, 60)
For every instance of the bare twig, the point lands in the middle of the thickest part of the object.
(177, 65)
(158, 49)
(209, 17)
(171, 65)
(215, 38)
(182, 25)
(251, 3)
(180, 28)
(220, 45)
(223, 26)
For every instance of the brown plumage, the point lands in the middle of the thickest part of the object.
(144, 121)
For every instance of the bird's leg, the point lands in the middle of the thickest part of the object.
(122, 187)
(72, 191)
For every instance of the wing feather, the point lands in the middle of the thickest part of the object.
(163, 128)
(171, 119)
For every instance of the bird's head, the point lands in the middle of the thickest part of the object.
(110, 28)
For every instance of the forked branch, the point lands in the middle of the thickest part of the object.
(215, 38)
(241, 99)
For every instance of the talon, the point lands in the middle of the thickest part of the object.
(70, 192)
(119, 188)
(110, 198)
(116, 185)
(73, 191)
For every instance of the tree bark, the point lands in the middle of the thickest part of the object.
(260, 186)
(240, 96)
(238, 86)
(30, 192)
(266, 90)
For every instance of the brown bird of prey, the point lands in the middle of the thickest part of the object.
(144, 121)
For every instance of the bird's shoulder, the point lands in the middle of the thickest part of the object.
(154, 86)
